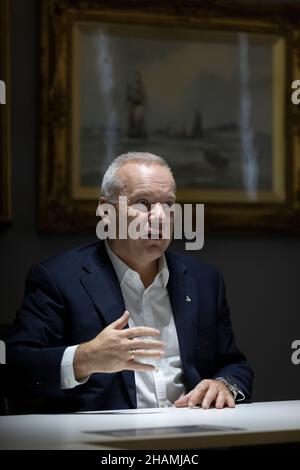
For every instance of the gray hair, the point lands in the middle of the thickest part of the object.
(112, 184)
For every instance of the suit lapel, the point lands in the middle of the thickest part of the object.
(102, 285)
(184, 301)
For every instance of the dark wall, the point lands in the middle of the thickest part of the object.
(261, 273)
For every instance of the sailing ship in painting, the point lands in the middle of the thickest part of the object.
(136, 99)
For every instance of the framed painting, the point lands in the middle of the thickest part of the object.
(5, 183)
(205, 87)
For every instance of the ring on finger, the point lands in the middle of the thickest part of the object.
(132, 354)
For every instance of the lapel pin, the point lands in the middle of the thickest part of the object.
(187, 298)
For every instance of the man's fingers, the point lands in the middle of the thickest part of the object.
(210, 397)
(141, 331)
(196, 397)
(221, 399)
(206, 393)
(145, 344)
(120, 322)
(198, 393)
(183, 401)
(230, 401)
(148, 353)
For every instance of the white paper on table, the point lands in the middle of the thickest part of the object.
(134, 411)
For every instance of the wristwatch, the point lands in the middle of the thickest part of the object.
(232, 387)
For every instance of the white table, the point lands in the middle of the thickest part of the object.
(258, 423)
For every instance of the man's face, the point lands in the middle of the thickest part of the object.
(147, 185)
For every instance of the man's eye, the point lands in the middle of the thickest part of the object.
(169, 203)
(144, 202)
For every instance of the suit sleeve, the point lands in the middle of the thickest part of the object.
(35, 348)
(231, 363)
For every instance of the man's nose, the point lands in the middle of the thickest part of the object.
(157, 213)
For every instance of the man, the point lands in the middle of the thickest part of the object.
(125, 323)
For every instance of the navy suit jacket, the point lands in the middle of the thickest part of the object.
(70, 298)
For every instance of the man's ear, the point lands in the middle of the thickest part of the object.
(100, 212)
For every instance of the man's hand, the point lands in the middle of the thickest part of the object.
(205, 394)
(115, 349)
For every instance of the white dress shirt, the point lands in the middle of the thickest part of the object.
(147, 307)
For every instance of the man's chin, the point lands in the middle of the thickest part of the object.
(156, 246)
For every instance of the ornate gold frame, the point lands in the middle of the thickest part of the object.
(58, 209)
(5, 181)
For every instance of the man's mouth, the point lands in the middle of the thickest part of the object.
(154, 235)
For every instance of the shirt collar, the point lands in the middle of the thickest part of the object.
(122, 268)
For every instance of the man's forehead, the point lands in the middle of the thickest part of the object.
(137, 176)
(131, 168)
